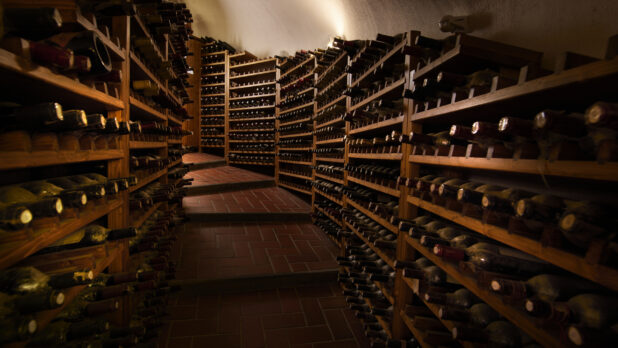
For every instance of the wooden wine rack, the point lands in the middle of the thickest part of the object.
(37, 151)
(581, 80)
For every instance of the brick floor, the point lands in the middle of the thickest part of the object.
(269, 200)
(215, 251)
(307, 317)
(222, 175)
(197, 157)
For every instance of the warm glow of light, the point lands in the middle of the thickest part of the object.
(335, 14)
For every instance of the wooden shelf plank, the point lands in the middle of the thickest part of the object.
(307, 148)
(145, 109)
(253, 85)
(329, 141)
(252, 163)
(418, 335)
(333, 160)
(379, 156)
(378, 251)
(330, 68)
(282, 124)
(601, 274)
(138, 219)
(304, 91)
(251, 119)
(253, 108)
(306, 76)
(330, 178)
(254, 152)
(12, 252)
(378, 125)
(250, 130)
(133, 144)
(251, 141)
(575, 169)
(294, 188)
(19, 159)
(310, 104)
(147, 180)
(332, 218)
(256, 62)
(333, 83)
(259, 73)
(393, 86)
(281, 172)
(326, 195)
(296, 135)
(380, 188)
(297, 66)
(336, 101)
(386, 57)
(516, 316)
(174, 120)
(254, 96)
(373, 216)
(296, 162)
(40, 82)
(329, 123)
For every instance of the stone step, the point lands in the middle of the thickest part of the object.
(198, 190)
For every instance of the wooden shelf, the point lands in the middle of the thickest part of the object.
(244, 76)
(253, 85)
(332, 218)
(138, 108)
(213, 74)
(378, 156)
(413, 284)
(175, 163)
(241, 55)
(376, 250)
(254, 96)
(576, 264)
(254, 152)
(146, 32)
(418, 335)
(249, 130)
(516, 316)
(336, 101)
(329, 123)
(326, 195)
(256, 62)
(174, 141)
(212, 85)
(252, 163)
(283, 124)
(144, 71)
(19, 159)
(137, 221)
(329, 141)
(297, 66)
(373, 216)
(147, 180)
(307, 75)
(304, 91)
(307, 148)
(295, 188)
(35, 240)
(213, 136)
(333, 160)
(580, 83)
(296, 162)
(392, 87)
(213, 146)
(330, 178)
(174, 120)
(250, 119)
(296, 135)
(281, 172)
(377, 64)
(213, 105)
(330, 85)
(212, 126)
(254, 108)
(575, 169)
(251, 141)
(379, 188)
(378, 125)
(310, 104)
(146, 144)
(330, 68)
(42, 84)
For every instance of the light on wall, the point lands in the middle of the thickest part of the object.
(335, 13)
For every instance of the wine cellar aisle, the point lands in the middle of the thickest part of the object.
(260, 255)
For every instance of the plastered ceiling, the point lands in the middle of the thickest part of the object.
(269, 27)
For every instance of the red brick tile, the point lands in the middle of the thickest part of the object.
(337, 324)
(280, 264)
(261, 308)
(276, 339)
(253, 334)
(299, 267)
(193, 327)
(321, 265)
(289, 301)
(312, 310)
(229, 318)
(337, 344)
(227, 341)
(332, 302)
(314, 291)
(259, 256)
(282, 321)
(323, 253)
(309, 334)
(355, 325)
(281, 251)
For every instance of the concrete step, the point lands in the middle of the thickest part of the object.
(205, 165)
(249, 217)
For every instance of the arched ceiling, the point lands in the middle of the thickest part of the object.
(269, 27)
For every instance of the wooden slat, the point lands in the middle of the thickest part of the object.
(378, 125)
(15, 160)
(373, 216)
(382, 156)
(379, 188)
(295, 188)
(133, 144)
(148, 179)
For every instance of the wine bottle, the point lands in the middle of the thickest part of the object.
(80, 309)
(87, 44)
(70, 279)
(35, 301)
(560, 122)
(588, 310)
(90, 235)
(72, 120)
(111, 187)
(503, 201)
(497, 334)
(61, 332)
(475, 195)
(494, 258)
(32, 23)
(18, 196)
(602, 114)
(14, 217)
(31, 117)
(74, 199)
(17, 329)
(93, 192)
(479, 314)
(583, 221)
(540, 207)
(460, 298)
(547, 287)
